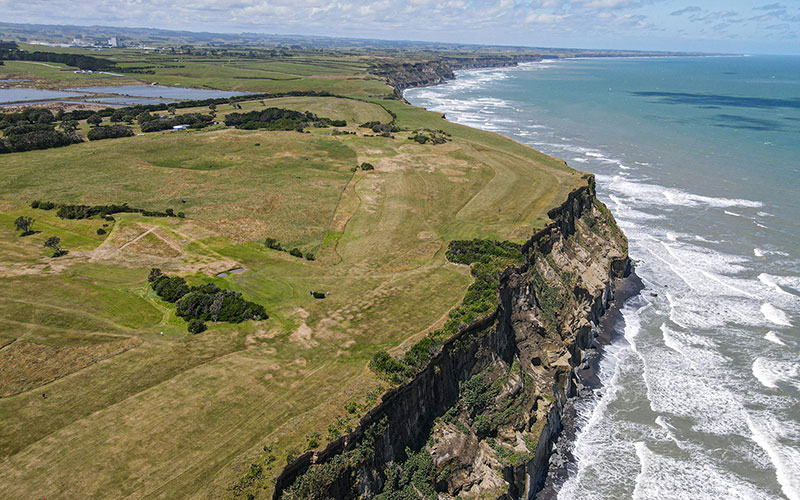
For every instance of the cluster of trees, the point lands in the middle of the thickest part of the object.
(87, 211)
(109, 132)
(486, 259)
(279, 119)
(33, 129)
(156, 123)
(75, 60)
(366, 166)
(202, 303)
(427, 135)
(274, 244)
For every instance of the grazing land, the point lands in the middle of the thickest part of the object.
(105, 394)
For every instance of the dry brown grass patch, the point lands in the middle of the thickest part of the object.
(25, 365)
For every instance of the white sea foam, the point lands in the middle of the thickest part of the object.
(771, 372)
(767, 433)
(695, 374)
(654, 194)
(663, 477)
(775, 315)
(771, 282)
(772, 336)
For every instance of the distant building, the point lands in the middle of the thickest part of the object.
(113, 42)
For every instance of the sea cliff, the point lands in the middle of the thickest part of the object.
(404, 76)
(484, 412)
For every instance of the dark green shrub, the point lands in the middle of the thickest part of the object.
(170, 289)
(101, 231)
(196, 326)
(310, 256)
(273, 244)
(109, 132)
(155, 273)
(295, 252)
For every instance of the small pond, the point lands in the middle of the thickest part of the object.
(232, 271)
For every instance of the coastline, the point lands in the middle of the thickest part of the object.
(561, 458)
(665, 399)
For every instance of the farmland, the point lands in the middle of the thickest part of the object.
(105, 394)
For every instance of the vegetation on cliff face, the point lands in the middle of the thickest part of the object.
(313, 484)
(483, 445)
(486, 259)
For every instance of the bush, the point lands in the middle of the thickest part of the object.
(278, 119)
(310, 256)
(366, 166)
(196, 326)
(101, 231)
(38, 139)
(181, 215)
(210, 303)
(109, 132)
(273, 244)
(170, 289)
(35, 204)
(155, 273)
(295, 252)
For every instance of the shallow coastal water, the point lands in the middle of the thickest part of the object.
(699, 159)
(121, 95)
(160, 91)
(22, 94)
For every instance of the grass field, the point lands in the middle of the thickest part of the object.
(105, 394)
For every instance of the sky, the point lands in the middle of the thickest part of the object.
(735, 26)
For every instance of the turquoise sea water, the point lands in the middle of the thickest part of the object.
(699, 160)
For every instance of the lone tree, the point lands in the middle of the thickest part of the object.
(24, 224)
(54, 242)
(94, 120)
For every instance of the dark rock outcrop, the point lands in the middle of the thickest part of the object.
(402, 76)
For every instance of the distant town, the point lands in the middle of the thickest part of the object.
(92, 43)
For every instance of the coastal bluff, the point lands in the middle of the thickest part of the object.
(404, 76)
(530, 349)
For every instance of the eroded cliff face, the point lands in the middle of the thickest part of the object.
(482, 416)
(403, 76)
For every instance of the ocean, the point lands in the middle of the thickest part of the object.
(699, 160)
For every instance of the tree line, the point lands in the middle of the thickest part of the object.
(86, 211)
(79, 61)
(33, 129)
